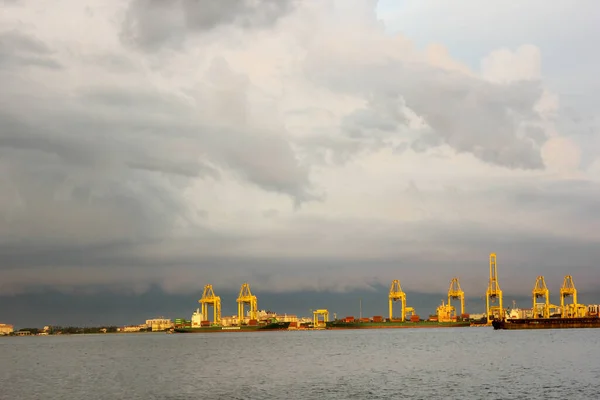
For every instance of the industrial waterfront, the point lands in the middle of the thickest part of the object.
(541, 315)
(449, 314)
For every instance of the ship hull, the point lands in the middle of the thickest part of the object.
(547, 323)
(275, 326)
(394, 325)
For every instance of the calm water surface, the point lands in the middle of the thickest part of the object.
(457, 363)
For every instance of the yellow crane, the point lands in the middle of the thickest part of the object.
(396, 294)
(209, 298)
(541, 290)
(573, 310)
(455, 292)
(244, 298)
(493, 293)
(317, 322)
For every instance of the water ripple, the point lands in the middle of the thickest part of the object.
(391, 364)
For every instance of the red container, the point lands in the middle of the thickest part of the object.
(465, 316)
(293, 324)
(253, 322)
(205, 323)
(414, 318)
(364, 320)
(377, 318)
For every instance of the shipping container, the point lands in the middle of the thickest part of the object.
(253, 322)
(414, 318)
(377, 318)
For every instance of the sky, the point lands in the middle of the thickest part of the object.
(303, 147)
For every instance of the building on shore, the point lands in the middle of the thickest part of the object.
(133, 328)
(159, 324)
(6, 329)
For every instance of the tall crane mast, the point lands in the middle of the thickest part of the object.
(246, 297)
(396, 294)
(493, 293)
(541, 290)
(209, 298)
(455, 292)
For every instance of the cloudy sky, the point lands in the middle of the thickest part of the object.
(327, 146)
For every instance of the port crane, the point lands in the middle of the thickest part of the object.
(244, 298)
(541, 290)
(493, 293)
(573, 310)
(456, 293)
(317, 322)
(396, 294)
(209, 298)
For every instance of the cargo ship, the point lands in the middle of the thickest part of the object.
(271, 326)
(547, 323)
(341, 324)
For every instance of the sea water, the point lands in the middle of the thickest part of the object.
(452, 363)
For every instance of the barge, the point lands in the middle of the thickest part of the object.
(341, 324)
(547, 323)
(273, 326)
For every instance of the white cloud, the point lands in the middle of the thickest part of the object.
(506, 66)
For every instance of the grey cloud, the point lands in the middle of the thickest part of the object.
(206, 15)
(94, 183)
(383, 113)
(468, 114)
(20, 49)
(110, 166)
(188, 170)
(112, 62)
(152, 24)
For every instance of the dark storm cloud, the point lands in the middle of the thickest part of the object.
(151, 24)
(343, 259)
(107, 168)
(18, 49)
